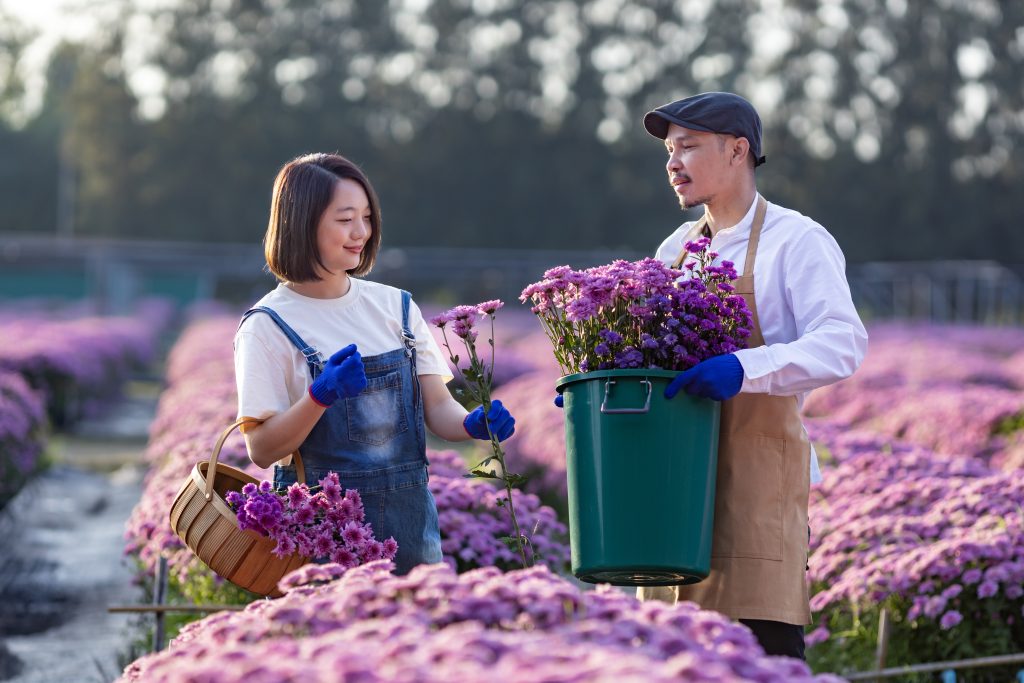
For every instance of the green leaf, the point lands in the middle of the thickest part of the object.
(511, 541)
(516, 479)
(480, 474)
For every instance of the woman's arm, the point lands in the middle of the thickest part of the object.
(443, 414)
(283, 433)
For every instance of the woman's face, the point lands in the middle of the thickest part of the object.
(344, 227)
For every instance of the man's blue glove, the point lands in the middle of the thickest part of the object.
(343, 376)
(560, 401)
(718, 378)
(503, 425)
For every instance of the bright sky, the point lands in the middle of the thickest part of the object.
(73, 20)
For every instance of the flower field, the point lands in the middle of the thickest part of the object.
(919, 512)
(55, 369)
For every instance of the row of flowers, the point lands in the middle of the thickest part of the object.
(56, 368)
(79, 364)
(200, 400)
(433, 624)
(22, 432)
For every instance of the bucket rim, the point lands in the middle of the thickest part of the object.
(660, 373)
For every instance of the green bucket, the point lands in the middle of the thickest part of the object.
(641, 474)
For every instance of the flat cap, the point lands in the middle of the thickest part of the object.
(711, 112)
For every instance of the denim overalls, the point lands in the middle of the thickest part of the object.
(376, 443)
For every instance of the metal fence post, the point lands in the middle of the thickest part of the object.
(882, 649)
(159, 595)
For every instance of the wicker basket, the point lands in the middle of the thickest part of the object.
(207, 525)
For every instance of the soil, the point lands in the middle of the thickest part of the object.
(62, 562)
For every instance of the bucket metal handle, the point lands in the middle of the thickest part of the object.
(613, 411)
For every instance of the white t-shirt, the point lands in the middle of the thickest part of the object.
(272, 375)
(812, 333)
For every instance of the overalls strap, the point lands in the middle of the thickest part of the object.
(314, 360)
(409, 341)
(408, 338)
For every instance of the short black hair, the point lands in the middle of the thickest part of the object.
(302, 192)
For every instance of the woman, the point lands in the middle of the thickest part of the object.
(360, 409)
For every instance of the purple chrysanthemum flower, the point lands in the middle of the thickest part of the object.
(297, 493)
(950, 619)
(490, 307)
(352, 534)
(440, 320)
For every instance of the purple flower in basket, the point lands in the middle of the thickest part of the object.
(325, 523)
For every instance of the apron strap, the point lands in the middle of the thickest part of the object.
(755, 236)
(700, 226)
(314, 360)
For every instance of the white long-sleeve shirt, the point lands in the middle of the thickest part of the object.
(812, 332)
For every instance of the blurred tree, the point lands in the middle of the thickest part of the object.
(517, 122)
(28, 159)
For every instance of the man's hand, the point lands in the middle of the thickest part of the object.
(503, 425)
(718, 378)
(343, 376)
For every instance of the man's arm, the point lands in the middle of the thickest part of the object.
(831, 339)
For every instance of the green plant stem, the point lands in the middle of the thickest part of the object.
(480, 391)
(499, 455)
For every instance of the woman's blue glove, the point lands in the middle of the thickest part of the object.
(503, 425)
(718, 378)
(343, 376)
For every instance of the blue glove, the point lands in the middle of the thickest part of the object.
(343, 376)
(718, 378)
(560, 401)
(503, 425)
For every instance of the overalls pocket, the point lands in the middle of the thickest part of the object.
(375, 416)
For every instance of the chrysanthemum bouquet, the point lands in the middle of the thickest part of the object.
(326, 524)
(641, 314)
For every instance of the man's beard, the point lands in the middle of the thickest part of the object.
(693, 203)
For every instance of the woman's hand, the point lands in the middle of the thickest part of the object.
(502, 424)
(343, 376)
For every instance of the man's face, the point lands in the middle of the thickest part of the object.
(698, 164)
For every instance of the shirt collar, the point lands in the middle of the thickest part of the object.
(743, 227)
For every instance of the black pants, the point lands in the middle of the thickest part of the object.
(778, 638)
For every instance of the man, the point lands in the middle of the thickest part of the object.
(806, 334)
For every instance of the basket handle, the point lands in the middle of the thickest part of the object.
(211, 472)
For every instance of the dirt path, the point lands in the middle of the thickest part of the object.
(61, 561)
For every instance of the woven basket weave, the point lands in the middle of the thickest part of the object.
(207, 525)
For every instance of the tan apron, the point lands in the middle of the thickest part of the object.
(759, 546)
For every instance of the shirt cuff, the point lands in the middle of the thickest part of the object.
(756, 370)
